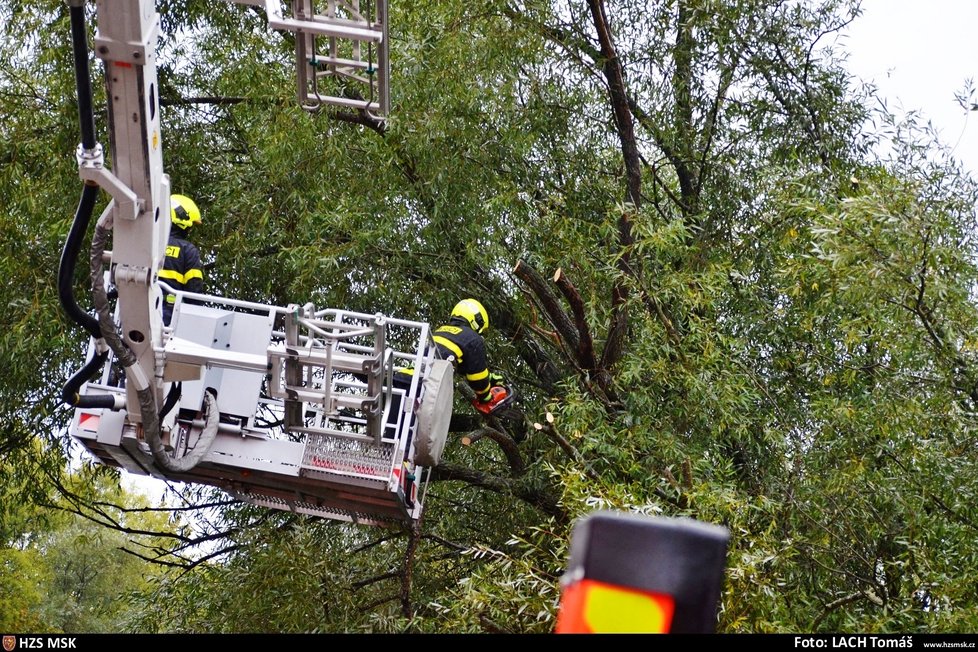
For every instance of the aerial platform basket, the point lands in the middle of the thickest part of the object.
(313, 416)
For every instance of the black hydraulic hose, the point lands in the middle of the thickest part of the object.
(69, 258)
(70, 393)
(86, 205)
(97, 401)
(79, 225)
(171, 399)
(83, 81)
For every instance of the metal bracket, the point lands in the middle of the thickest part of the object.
(91, 167)
(129, 52)
(135, 274)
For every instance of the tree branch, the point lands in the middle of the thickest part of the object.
(551, 432)
(414, 537)
(618, 97)
(549, 302)
(376, 578)
(545, 501)
(835, 604)
(506, 443)
(189, 565)
(585, 350)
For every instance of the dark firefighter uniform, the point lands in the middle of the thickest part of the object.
(458, 340)
(455, 341)
(181, 269)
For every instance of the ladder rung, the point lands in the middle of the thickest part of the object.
(326, 29)
(338, 61)
(298, 393)
(337, 361)
(342, 101)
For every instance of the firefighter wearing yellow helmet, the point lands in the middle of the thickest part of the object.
(460, 340)
(181, 266)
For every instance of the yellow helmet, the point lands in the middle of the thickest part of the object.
(472, 312)
(183, 211)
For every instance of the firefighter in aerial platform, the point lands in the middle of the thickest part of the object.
(461, 341)
(181, 267)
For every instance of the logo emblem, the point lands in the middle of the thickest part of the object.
(9, 643)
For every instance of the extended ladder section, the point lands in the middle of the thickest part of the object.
(341, 51)
(314, 415)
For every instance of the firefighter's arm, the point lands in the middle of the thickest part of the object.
(193, 272)
(480, 384)
(476, 372)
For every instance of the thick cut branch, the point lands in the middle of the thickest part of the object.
(585, 350)
(550, 303)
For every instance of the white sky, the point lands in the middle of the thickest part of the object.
(919, 53)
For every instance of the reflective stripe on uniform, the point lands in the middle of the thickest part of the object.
(479, 375)
(181, 278)
(450, 345)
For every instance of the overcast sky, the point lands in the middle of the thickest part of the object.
(919, 53)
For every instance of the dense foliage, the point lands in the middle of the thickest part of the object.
(717, 300)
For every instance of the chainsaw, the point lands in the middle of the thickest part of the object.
(500, 398)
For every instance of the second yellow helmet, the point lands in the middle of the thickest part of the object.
(183, 211)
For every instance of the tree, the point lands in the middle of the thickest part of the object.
(62, 572)
(716, 301)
